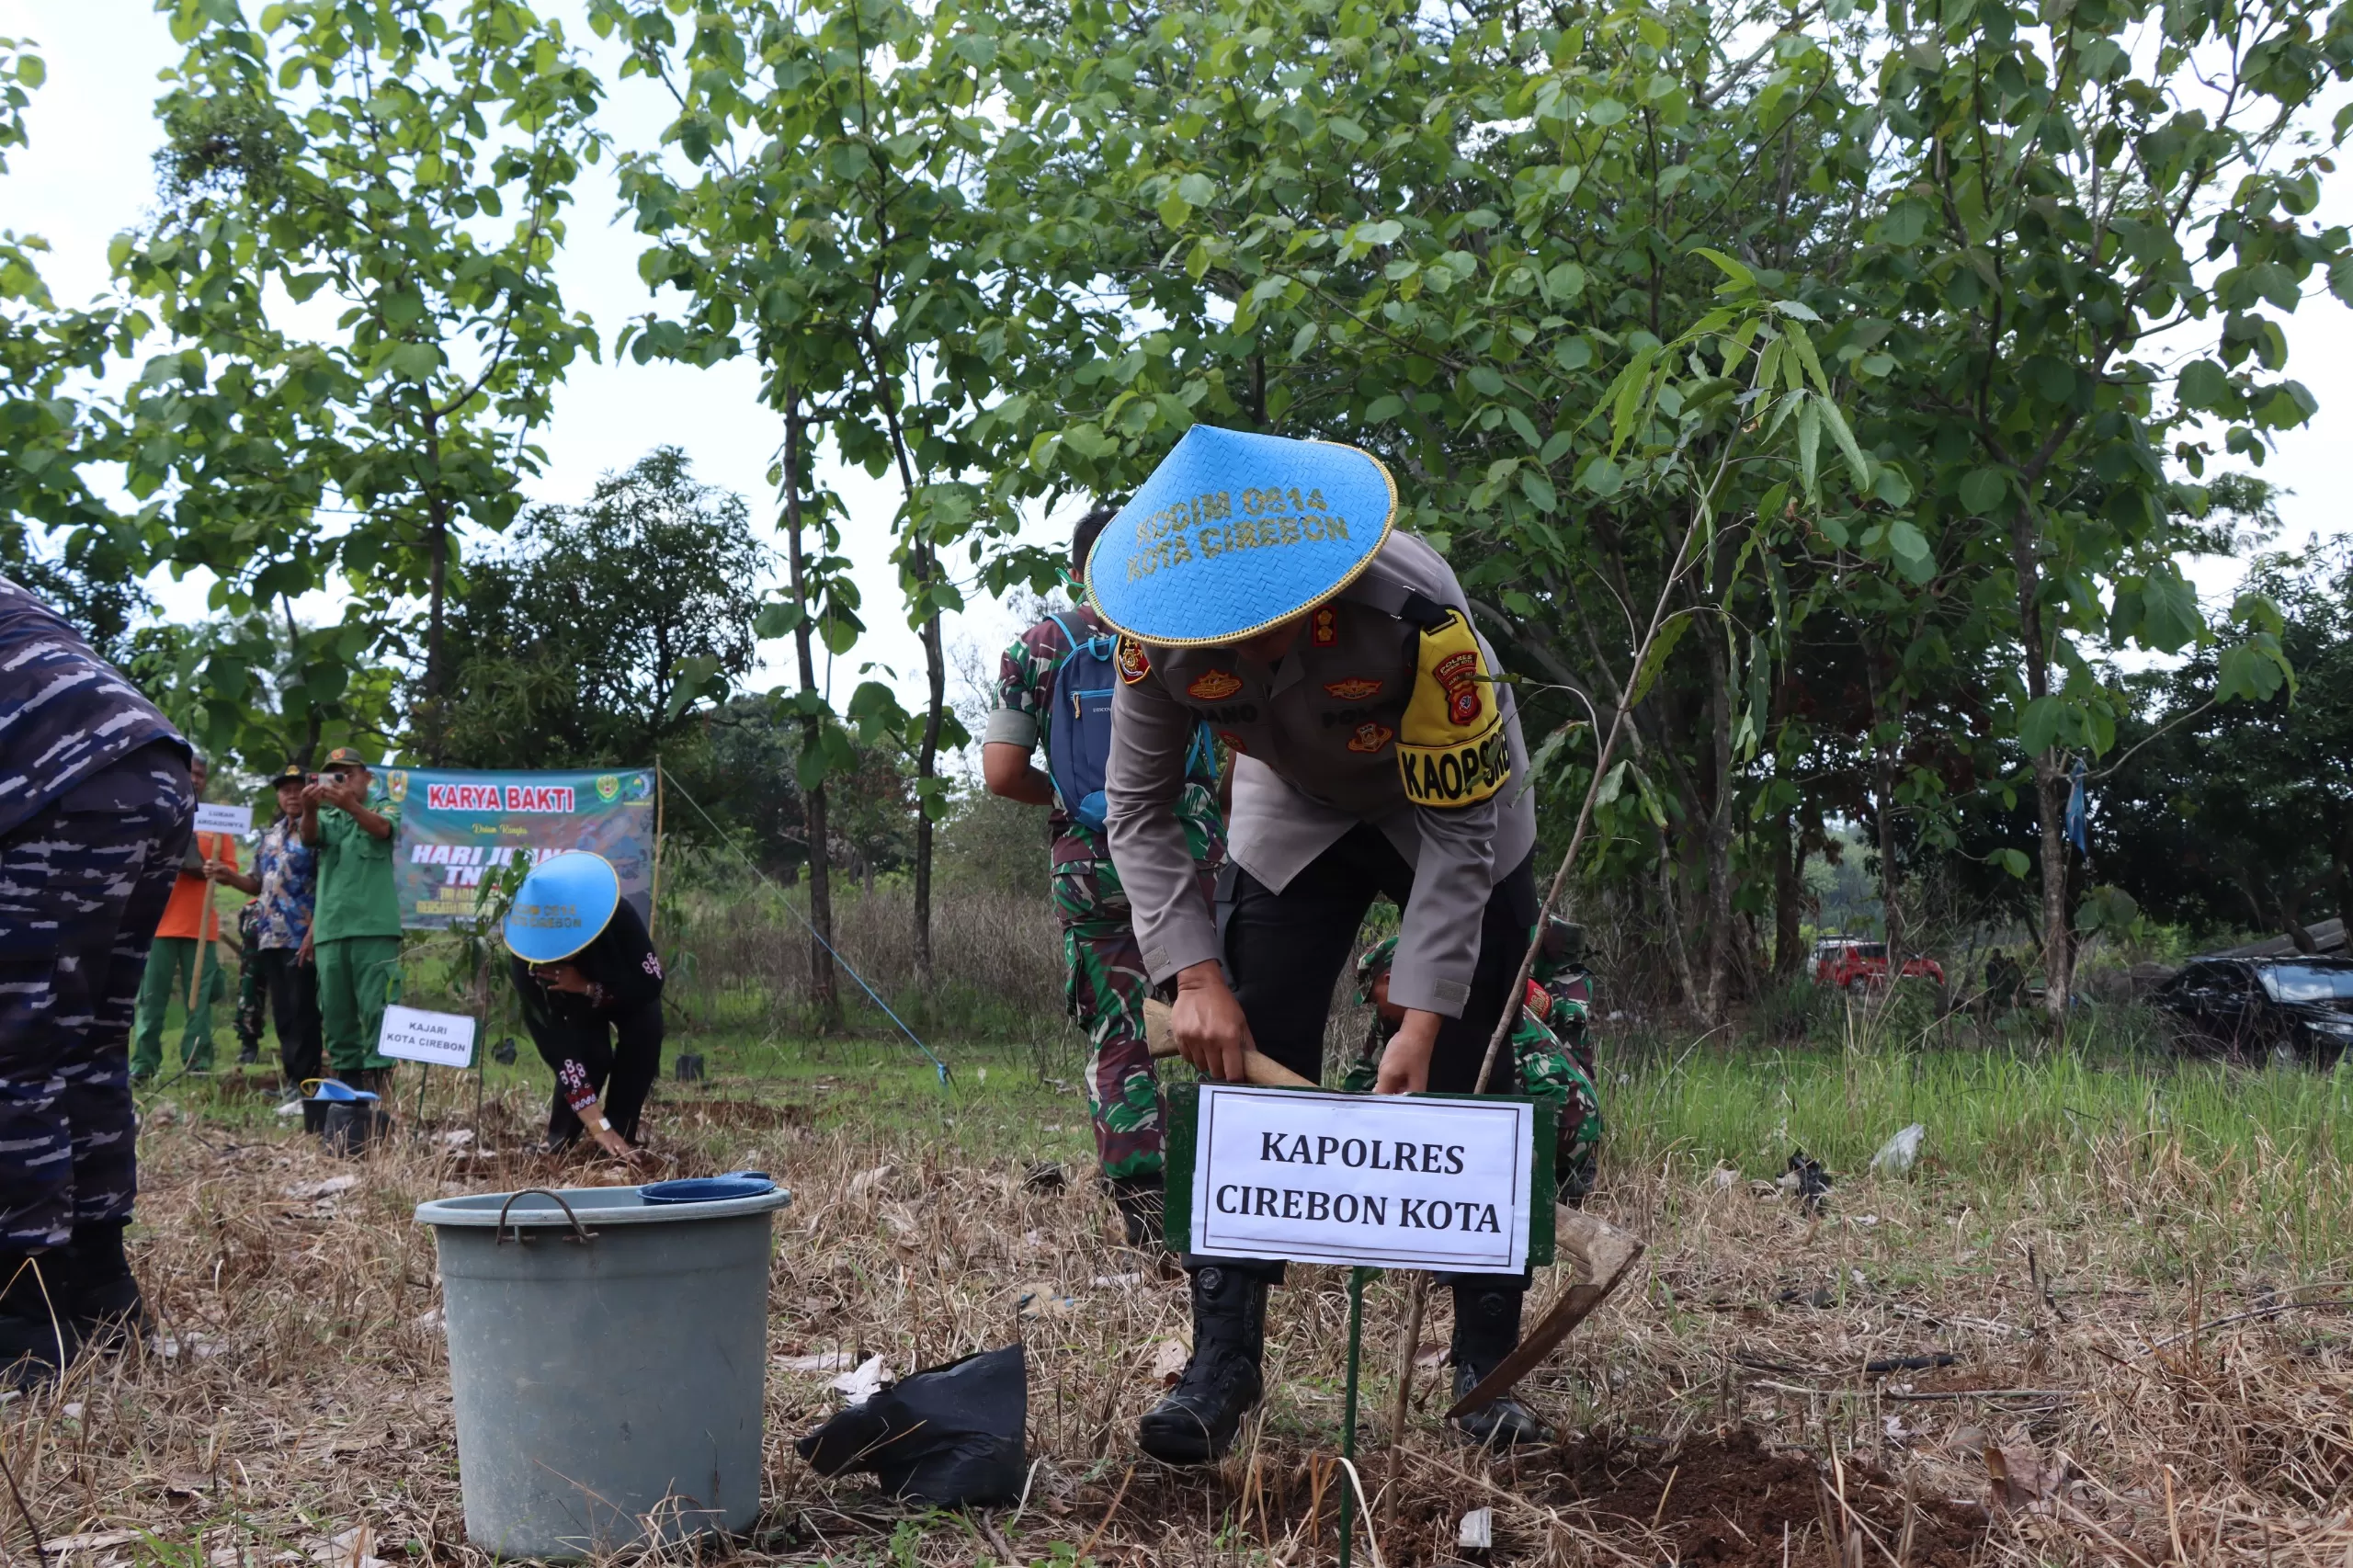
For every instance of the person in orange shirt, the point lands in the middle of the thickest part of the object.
(188, 943)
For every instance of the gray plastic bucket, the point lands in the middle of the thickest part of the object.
(607, 1360)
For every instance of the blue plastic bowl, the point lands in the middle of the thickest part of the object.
(336, 1090)
(708, 1189)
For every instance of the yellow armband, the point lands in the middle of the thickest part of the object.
(1452, 749)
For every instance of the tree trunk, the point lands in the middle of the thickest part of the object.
(437, 534)
(935, 664)
(925, 567)
(1677, 954)
(1788, 895)
(822, 990)
(1715, 992)
(2341, 863)
(2050, 777)
(1883, 777)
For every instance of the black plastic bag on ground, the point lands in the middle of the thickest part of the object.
(948, 1435)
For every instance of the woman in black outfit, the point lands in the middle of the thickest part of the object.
(596, 1018)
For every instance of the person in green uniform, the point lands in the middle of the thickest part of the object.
(355, 940)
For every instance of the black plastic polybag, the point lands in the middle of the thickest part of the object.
(947, 1434)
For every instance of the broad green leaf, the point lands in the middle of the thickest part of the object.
(2038, 724)
(2170, 619)
(2206, 385)
(1981, 490)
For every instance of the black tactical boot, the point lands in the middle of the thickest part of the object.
(1140, 1200)
(1486, 1329)
(103, 1296)
(1197, 1422)
(35, 1337)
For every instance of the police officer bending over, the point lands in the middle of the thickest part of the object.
(1261, 590)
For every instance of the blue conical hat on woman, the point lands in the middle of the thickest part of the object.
(1235, 533)
(564, 905)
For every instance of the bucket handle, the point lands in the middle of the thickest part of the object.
(580, 1232)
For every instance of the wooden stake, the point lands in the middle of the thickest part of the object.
(207, 917)
(1397, 1413)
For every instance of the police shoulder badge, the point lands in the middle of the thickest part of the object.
(1453, 750)
(1212, 686)
(1538, 1001)
(1327, 627)
(1133, 662)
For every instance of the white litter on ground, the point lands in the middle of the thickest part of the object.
(1901, 1152)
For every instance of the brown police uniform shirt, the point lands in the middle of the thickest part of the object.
(1385, 712)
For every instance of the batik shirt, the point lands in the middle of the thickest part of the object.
(1024, 716)
(288, 870)
(66, 714)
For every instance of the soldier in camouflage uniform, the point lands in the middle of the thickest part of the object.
(1106, 983)
(95, 808)
(1566, 986)
(1548, 1069)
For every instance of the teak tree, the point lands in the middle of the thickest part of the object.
(401, 175)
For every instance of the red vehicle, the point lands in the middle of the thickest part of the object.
(1846, 963)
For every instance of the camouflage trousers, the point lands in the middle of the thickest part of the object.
(251, 991)
(82, 885)
(1104, 987)
(1550, 1070)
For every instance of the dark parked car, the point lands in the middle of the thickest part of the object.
(2251, 1006)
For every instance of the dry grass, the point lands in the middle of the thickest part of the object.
(1718, 1409)
(733, 944)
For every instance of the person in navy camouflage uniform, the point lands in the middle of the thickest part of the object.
(1105, 982)
(95, 808)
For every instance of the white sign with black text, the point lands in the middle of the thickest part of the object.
(1382, 1181)
(412, 1034)
(235, 821)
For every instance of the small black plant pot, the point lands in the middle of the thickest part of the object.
(351, 1125)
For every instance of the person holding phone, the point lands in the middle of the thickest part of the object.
(354, 936)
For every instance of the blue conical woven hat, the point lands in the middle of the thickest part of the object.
(1234, 533)
(562, 905)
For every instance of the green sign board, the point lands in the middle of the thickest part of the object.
(455, 826)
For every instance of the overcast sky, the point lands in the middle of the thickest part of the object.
(87, 175)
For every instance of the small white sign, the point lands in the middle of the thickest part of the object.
(412, 1034)
(1382, 1181)
(235, 821)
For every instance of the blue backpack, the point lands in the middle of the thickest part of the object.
(1078, 736)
